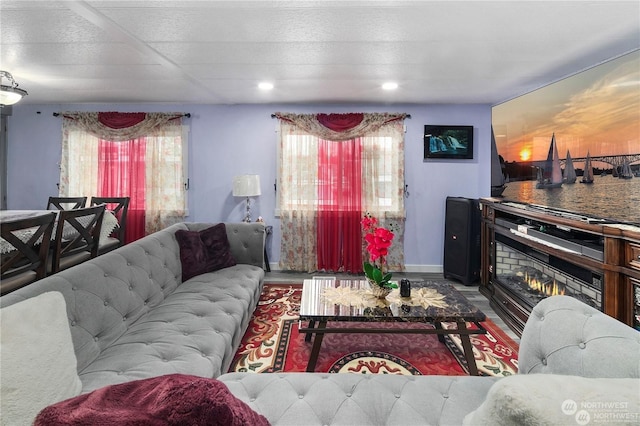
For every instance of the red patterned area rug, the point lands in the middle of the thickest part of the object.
(272, 343)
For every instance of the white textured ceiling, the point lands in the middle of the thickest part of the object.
(216, 52)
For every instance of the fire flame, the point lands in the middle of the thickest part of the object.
(547, 289)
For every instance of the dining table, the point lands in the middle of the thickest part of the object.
(109, 223)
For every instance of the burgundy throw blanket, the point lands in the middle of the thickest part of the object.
(174, 399)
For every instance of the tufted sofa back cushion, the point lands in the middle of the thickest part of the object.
(566, 336)
(107, 294)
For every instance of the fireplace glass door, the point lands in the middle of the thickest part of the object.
(531, 276)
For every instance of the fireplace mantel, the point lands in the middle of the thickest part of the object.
(601, 255)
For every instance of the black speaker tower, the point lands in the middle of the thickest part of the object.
(462, 240)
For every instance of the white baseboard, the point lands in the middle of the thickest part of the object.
(427, 269)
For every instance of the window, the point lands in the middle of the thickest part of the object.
(146, 165)
(326, 186)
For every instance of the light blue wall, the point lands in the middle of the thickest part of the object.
(227, 140)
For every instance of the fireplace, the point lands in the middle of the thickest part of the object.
(530, 276)
(531, 252)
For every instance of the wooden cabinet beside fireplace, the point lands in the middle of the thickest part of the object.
(590, 258)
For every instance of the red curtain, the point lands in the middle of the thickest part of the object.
(340, 122)
(121, 120)
(121, 173)
(339, 236)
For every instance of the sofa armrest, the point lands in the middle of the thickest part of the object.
(566, 336)
(247, 242)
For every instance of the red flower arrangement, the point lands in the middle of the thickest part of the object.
(378, 241)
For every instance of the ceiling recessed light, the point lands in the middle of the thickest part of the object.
(390, 86)
(265, 85)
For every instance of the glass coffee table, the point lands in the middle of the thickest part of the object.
(326, 300)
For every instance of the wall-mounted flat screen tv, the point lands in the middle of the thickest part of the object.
(592, 119)
(455, 142)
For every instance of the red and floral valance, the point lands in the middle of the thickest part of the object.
(120, 126)
(340, 127)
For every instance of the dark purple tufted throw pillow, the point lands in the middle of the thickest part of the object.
(204, 251)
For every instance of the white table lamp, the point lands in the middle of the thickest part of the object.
(246, 186)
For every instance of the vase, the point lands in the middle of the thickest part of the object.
(378, 291)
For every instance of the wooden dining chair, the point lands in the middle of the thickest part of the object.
(77, 237)
(66, 203)
(28, 257)
(118, 206)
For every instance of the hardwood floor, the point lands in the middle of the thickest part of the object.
(470, 292)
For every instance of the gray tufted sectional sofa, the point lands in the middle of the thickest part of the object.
(568, 352)
(131, 318)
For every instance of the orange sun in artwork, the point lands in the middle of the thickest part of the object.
(525, 154)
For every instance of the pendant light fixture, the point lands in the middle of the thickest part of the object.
(9, 94)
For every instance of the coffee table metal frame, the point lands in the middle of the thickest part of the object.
(461, 312)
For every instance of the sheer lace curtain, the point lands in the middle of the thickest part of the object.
(383, 185)
(378, 141)
(298, 199)
(97, 147)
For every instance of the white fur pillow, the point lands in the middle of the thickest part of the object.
(37, 361)
(553, 399)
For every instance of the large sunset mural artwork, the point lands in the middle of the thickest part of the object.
(595, 112)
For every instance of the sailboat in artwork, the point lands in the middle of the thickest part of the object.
(550, 176)
(497, 177)
(569, 170)
(587, 177)
(626, 172)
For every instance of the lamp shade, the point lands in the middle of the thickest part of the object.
(246, 186)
